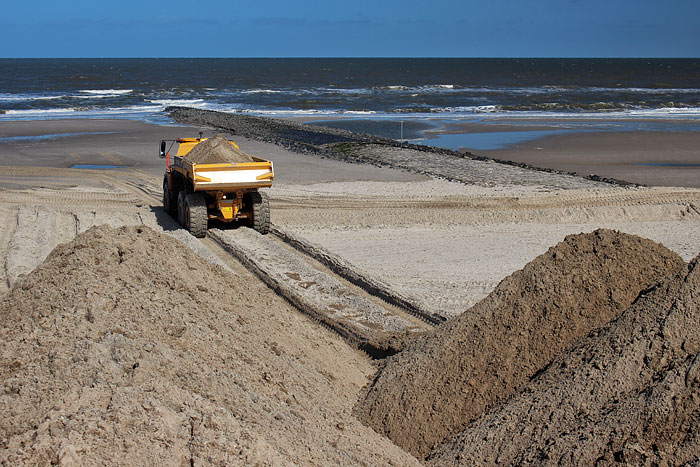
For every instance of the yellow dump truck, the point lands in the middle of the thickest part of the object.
(196, 193)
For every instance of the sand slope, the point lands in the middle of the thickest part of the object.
(452, 375)
(127, 348)
(626, 393)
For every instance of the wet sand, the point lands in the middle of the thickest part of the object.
(624, 149)
(135, 145)
(649, 158)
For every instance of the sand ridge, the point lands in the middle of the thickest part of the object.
(453, 374)
(125, 347)
(626, 393)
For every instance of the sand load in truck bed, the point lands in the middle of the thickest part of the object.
(453, 374)
(217, 150)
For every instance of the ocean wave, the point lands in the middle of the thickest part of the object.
(106, 92)
(154, 112)
(262, 91)
(21, 112)
(428, 88)
(5, 97)
(180, 102)
(654, 91)
(310, 112)
(81, 111)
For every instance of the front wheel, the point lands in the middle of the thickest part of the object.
(169, 199)
(181, 207)
(259, 211)
(196, 214)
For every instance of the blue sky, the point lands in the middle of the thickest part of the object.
(361, 28)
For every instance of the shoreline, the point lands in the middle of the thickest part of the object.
(654, 158)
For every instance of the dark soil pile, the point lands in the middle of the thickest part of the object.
(217, 150)
(628, 393)
(126, 348)
(454, 374)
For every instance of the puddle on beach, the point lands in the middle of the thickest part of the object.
(414, 129)
(491, 140)
(669, 164)
(96, 166)
(19, 139)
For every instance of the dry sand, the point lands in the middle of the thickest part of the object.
(447, 245)
(450, 376)
(627, 393)
(444, 245)
(126, 348)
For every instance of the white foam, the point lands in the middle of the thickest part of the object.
(181, 102)
(5, 97)
(106, 92)
(262, 91)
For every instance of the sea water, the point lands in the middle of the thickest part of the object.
(419, 96)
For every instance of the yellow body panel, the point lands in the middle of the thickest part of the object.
(227, 212)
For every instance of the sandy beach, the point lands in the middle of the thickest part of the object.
(648, 158)
(432, 228)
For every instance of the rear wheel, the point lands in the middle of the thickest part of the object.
(196, 214)
(259, 211)
(169, 199)
(181, 207)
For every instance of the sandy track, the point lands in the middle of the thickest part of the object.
(372, 285)
(51, 214)
(293, 197)
(446, 245)
(318, 293)
(7, 228)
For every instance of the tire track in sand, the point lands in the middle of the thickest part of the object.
(378, 330)
(353, 312)
(7, 229)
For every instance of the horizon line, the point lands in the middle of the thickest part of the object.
(534, 57)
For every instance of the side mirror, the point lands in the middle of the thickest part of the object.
(162, 149)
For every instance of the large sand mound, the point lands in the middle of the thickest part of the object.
(217, 150)
(124, 347)
(453, 374)
(627, 393)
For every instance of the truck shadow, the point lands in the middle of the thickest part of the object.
(165, 220)
(169, 224)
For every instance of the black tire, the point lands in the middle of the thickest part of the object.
(169, 199)
(259, 211)
(181, 207)
(196, 214)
